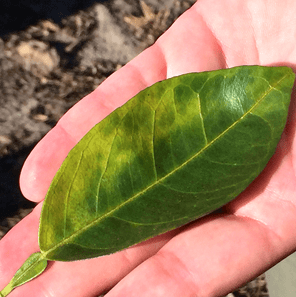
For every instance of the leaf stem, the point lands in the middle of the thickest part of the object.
(32, 267)
(6, 290)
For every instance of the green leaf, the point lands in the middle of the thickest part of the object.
(175, 152)
(33, 266)
(178, 150)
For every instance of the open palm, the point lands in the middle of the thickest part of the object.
(205, 258)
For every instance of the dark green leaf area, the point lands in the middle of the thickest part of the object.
(175, 152)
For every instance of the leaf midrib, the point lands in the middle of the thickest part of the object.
(94, 222)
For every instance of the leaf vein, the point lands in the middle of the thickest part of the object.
(109, 213)
(204, 192)
(68, 193)
(146, 224)
(202, 120)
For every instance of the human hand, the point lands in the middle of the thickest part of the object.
(206, 257)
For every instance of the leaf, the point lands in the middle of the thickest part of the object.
(175, 152)
(33, 266)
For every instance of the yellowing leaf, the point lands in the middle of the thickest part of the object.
(175, 152)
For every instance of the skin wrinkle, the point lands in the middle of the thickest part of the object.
(160, 51)
(127, 259)
(166, 257)
(233, 56)
(127, 255)
(284, 138)
(168, 53)
(218, 42)
(137, 67)
(270, 33)
(105, 104)
(71, 138)
(261, 222)
(268, 235)
(276, 196)
(140, 76)
(253, 35)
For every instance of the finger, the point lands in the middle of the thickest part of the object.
(144, 70)
(211, 257)
(252, 32)
(75, 279)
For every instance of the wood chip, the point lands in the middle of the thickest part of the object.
(40, 117)
(139, 22)
(5, 140)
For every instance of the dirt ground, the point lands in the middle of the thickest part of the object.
(53, 53)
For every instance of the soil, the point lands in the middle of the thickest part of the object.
(53, 53)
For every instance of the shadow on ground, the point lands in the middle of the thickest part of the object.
(16, 15)
(11, 198)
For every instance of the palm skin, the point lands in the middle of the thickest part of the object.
(213, 255)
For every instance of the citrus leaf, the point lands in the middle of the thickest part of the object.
(178, 150)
